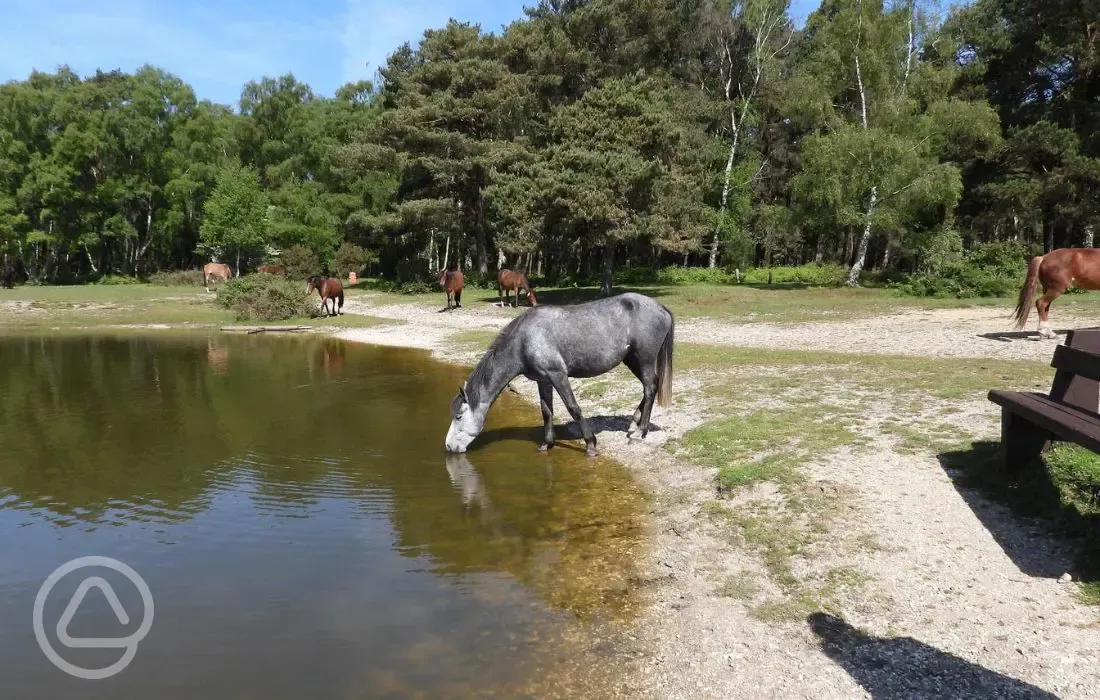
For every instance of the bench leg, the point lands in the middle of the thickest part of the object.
(1021, 441)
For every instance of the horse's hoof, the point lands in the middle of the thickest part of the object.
(590, 452)
(545, 447)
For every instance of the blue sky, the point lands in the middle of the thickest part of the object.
(219, 45)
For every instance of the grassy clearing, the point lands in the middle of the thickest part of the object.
(38, 309)
(745, 303)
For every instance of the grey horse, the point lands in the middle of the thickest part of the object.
(549, 344)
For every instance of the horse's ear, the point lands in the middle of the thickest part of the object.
(462, 393)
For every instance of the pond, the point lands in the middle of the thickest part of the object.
(302, 533)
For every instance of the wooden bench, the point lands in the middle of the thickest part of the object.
(1030, 421)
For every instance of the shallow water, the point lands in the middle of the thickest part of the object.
(302, 533)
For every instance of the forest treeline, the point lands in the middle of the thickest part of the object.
(589, 136)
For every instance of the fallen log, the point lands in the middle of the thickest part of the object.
(264, 329)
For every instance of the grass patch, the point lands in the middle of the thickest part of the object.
(40, 309)
(924, 438)
(742, 586)
(949, 378)
(766, 445)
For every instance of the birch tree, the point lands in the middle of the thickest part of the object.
(752, 36)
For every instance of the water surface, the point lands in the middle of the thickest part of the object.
(289, 504)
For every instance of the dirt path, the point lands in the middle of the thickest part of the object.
(963, 598)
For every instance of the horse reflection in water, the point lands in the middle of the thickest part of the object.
(217, 356)
(466, 480)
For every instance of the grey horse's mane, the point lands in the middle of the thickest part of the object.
(479, 378)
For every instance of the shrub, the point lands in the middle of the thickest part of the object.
(266, 298)
(694, 275)
(112, 280)
(300, 262)
(177, 278)
(987, 270)
(811, 275)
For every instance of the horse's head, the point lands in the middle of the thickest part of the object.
(466, 423)
(443, 278)
(313, 282)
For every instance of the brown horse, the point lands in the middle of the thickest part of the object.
(1058, 270)
(511, 281)
(215, 271)
(327, 288)
(452, 283)
(272, 269)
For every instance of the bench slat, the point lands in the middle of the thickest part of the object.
(1076, 361)
(1064, 421)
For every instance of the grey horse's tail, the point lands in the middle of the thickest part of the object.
(664, 365)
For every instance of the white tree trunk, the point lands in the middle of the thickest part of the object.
(447, 252)
(1089, 233)
(728, 173)
(864, 240)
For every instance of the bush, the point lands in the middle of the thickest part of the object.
(177, 278)
(811, 275)
(300, 262)
(987, 270)
(694, 275)
(266, 298)
(112, 280)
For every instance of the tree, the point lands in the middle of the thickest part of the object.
(235, 221)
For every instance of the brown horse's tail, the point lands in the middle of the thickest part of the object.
(664, 365)
(1027, 292)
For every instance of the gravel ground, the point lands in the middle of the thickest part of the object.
(964, 598)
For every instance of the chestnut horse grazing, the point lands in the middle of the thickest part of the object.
(1057, 271)
(272, 269)
(327, 288)
(452, 282)
(511, 281)
(215, 271)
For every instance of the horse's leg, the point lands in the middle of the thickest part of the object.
(500, 294)
(646, 372)
(546, 400)
(631, 361)
(561, 383)
(1043, 306)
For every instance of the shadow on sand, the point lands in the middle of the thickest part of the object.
(565, 431)
(1009, 336)
(1025, 514)
(902, 667)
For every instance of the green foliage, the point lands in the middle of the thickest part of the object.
(235, 216)
(659, 131)
(812, 275)
(351, 258)
(988, 270)
(117, 280)
(177, 278)
(301, 262)
(266, 298)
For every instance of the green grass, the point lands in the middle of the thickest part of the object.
(41, 308)
(947, 378)
(750, 303)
